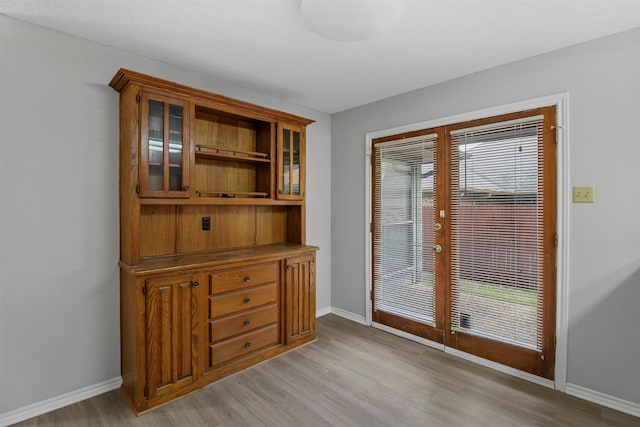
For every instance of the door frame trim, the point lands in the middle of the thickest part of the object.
(561, 102)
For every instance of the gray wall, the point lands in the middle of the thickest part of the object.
(602, 78)
(59, 303)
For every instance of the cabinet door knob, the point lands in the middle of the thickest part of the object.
(186, 188)
(247, 345)
(247, 300)
(290, 267)
(247, 322)
(247, 278)
(195, 284)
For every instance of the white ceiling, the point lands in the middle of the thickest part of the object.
(262, 44)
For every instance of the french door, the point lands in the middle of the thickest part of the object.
(464, 237)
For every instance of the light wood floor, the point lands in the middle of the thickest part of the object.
(354, 376)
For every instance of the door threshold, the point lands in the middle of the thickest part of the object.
(470, 357)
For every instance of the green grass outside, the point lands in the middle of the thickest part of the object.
(523, 297)
(501, 293)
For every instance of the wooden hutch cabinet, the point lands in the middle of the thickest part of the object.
(215, 273)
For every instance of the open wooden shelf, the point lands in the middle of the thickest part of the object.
(214, 152)
(219, 201)
(231, 194)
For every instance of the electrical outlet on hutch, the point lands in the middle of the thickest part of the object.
(206, 223)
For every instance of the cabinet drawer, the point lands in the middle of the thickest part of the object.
(235, 279)
(246, 321)
(243, 299)
(243, 344)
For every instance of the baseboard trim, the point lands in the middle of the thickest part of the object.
(323, 311)
(609, 401)
(48, 405)
(349, 315)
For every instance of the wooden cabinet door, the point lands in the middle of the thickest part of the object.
(291, 162)
(300, 298)
(172, 334)
(164, 146)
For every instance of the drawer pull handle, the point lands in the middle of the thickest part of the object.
(195, 284)
(247, 300)
(247, 345)
(290, 267)
(247, 322)
(247, 278)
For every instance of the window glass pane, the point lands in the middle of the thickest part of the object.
(286, 161)
(496, 224)
(404, 280)
(295, 175)
(175, 147)
(156, 145)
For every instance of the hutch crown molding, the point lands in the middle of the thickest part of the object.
(215, 273)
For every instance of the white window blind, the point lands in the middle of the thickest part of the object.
(403, 228)
(497, 224)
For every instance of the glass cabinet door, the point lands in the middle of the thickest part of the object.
(163, 165)
(290, 162)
